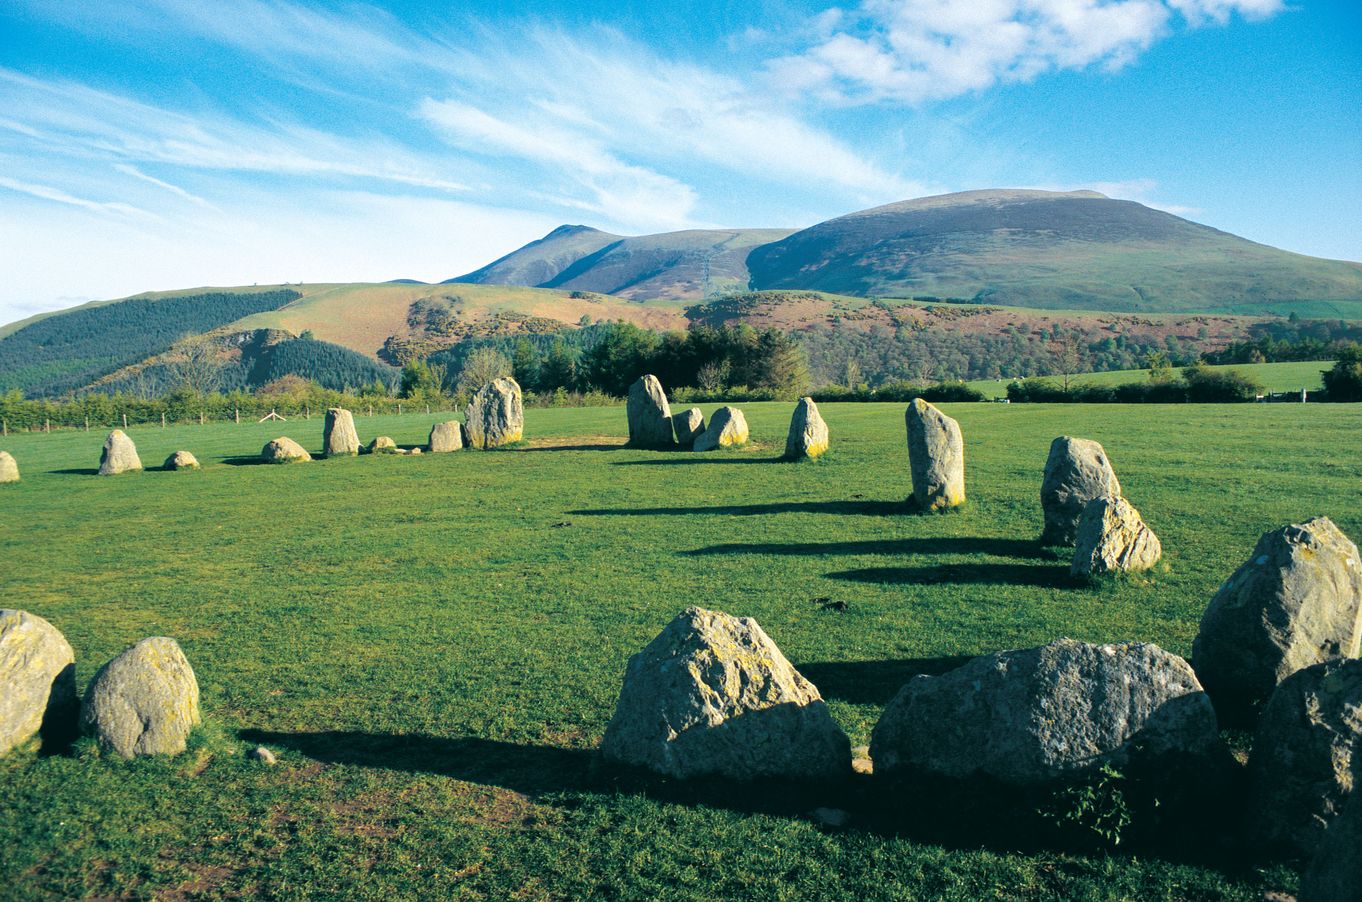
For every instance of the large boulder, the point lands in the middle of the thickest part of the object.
(1112, 538)
(936, 456)
(9, 468)
(1335, 872)
(445, 437)
(808, 433)
(727, 428)
(143, 702)
(1307, 754)
(1295, 602)
(181, 460)
(339, 437)
(119, 455)
(284, 450)
(650, 416)
(688, 426)
(713, 695)
(496, 415)
(37, 680)
(1076, 472)
(1035, 715)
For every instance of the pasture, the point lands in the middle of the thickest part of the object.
(433, 644)
(1291, 376)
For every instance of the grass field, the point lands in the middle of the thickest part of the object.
(434, 644)
(1275, 377)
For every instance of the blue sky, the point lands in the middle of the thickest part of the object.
(172, 143)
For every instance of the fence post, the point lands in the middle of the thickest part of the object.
(47, 423)
(399, 408)
(307, 411)
(427, 410)
(200, 417)
(87, 424)
(4, 428)
(163, 419)
(125, 421)
(371, 410)
(236, 412)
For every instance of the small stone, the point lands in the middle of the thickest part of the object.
(496, 415)
(936, 456)
(727, 429)
(339, 437)
(831, 817)
(415, 451)
(37, 680)
(181, 460)
(649, 414)
(382, 444)
(1076, 472)
(808, 437)
(1112, 538)
(688, 426)
(119, 455)
(143, 702)
(264, 755)
(446, 437)
(284, 450)
(863, 766)
(9, 468)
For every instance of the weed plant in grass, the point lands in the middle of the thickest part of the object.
(434, 644)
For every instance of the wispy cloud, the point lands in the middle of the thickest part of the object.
(46, 192)
(133, 171)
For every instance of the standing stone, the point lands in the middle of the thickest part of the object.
(1335, 873)
(688, 426)
(445, 437)
(37, 680)
(1030, 716)
(1307, 755)
(338, 434)
(1112, 538)
(181, 460)
(119, 455)
(650, 416)
(382, 444)
(284, 450)
(727, 428)
(712, 694)
(496, 415)
(936, 456)
(9, 468)
(1296, 602)
(808, 433)
(1076, 472)
(143, 702)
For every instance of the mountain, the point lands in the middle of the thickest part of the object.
(683, 265)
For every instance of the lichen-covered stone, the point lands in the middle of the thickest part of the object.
(808, 435)
(1295, 602)
(37, 680)
(1034, 715)
(936, 457)
(284, 450)
(688, 426)
(1112, 538)
(727, 429)
(1307, 754)
(1076, 472)
(496, 415)
(1335, 872)
(445, 437)
(9, 468)
(712, 694)
(382, 444)
(181, 460)
(649, 414)
(119, 455)
(339, 437)
(143, 702)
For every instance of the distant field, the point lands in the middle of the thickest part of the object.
(434, 644)
(1276, 377)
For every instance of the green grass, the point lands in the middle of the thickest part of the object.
(434, 644)
(1275, 377)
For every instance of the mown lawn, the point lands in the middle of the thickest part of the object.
(1291, 376)
(433, 645)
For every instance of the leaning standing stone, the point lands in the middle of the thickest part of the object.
(445, 437)
(1030, 716)
(284, 450)
(9, 467)
(712, 694)
(1306, 755)
(727, 428)
(338, 434)
(688, 426)
(1296, 602)
(1112, 538)
(143, 702)
(936, 456)
(181, 460)
(650, 416)
(119, 455)
(496, 415)
(808, 433)
(1076, 472)
(37, 679)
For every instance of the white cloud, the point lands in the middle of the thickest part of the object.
(46, 192)
(133, 171)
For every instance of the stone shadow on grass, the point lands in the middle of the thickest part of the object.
(1054, 577)
(534, 448)
(245, 461)
(703, 458)
(862, 508)
(1013, 548)
(873, 682)
(77, 471)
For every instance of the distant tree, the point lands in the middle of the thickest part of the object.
(622, 354)
(481, 367)
(1067, 351)
(559, 370)
(196, 367)
(712, 377)
(1159, 366)
(525, 363)
(1343, 381)
(418, 380)
(851, 373)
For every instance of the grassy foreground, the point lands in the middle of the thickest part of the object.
(434, 644)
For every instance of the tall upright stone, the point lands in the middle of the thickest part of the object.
(37, 680)
(119, 455)
(143, 702)
(9, 468)
(445, 437)
(808, 436)
(650, 416)
(727, 429)
(339, 437)
(1297, 601)
(936, 456)
(688, 426)
(496, 415)
(1076, 472)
